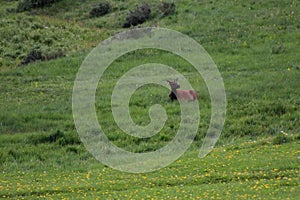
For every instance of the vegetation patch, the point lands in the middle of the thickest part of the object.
(37, 54)
(26, 38)
(57, 137)
(281, 138)
(100, 10)
(27, 5)
(167, 8)
(138, 16)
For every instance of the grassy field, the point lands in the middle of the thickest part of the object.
(244, 170)
(255, 45)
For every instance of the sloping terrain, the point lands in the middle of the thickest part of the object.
(255, 45)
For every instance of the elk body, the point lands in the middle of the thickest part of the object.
(181, 95)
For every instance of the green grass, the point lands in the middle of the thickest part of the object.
(247, 169)
(255, 45)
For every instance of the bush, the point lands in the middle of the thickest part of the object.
(139, 16)
(32, 56)
(102, 9)
(37, 54)
(167, 8)
(27, 5)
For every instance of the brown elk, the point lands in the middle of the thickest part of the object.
(181, 95)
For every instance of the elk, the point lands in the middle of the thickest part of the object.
(181, 95)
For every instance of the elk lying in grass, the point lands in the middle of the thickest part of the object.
(181, 95)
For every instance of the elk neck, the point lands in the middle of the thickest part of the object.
(174, 91)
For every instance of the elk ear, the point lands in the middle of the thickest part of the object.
(176, 79)
(168, 81)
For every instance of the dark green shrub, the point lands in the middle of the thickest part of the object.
(139, 16)
(32, 56)
(54, 55)
(102, 9)
(37, 54)
(27, 5)
(167, 8)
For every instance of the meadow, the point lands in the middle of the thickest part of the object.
(255, 45)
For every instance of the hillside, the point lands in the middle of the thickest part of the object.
(257, 58)
(255, 45)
